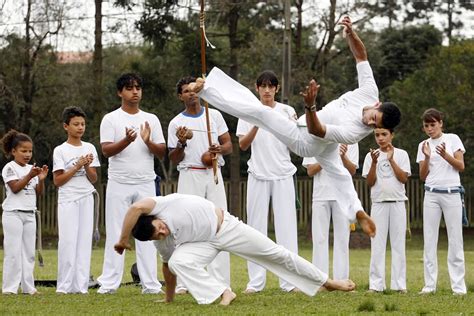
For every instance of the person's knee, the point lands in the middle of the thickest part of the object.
(177, 263)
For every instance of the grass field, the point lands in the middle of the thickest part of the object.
(272, 301)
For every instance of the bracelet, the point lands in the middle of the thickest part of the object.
(311, 108)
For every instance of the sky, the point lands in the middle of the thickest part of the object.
(78, 31)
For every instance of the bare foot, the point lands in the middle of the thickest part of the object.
(366, 223)
(227, 297)
(197, 86)
(339, 285)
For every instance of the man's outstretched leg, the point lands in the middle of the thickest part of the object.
(366, 223)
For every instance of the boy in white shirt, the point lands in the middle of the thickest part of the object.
(270, 175)
(195, 177)
(130, 138)
(74, 172)
(387, 170)
(324, 208)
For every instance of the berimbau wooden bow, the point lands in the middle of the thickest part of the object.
(203, 71)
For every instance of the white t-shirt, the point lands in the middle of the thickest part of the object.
(26, 198)
(387, 187)
(65, 157)
(189, 218)
(270, 158)
(322, 188)
(343, 116)
(199, 144)
(134, 164)
(441, 173)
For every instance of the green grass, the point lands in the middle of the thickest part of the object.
(129, 301)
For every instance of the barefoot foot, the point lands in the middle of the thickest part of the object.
(227, 297)
(366, 223)
(339, 285)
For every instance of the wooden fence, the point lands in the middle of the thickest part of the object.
(47, 203)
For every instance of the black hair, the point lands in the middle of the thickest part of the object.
(267, 76)
(12, 139)
(391, 115)
(144, 229)
(432, 115)
(72, 111)
(182, 82)
(127, 80)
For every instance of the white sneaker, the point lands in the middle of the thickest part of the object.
(426, 292)
(150, 291)
(106, 291)
(459, 293)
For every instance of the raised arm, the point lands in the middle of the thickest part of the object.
(137, 209)
(355, 43)
(314, 125)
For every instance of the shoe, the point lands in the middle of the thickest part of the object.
(373, 291)
(181, 291)
(8, 293)
(459, 293)
(401, 291)
(106, 291)
(150, 291)
(250, 291)
(426, 292)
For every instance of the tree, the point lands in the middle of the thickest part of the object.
(446, 83)
(404, 51)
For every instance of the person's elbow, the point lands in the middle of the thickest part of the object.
(461, 167)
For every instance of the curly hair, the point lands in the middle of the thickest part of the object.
(12, 139)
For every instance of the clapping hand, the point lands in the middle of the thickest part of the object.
(425, 148)
(374, 154)
(130, 134)
(145, 132)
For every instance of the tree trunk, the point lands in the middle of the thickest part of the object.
(233, 20)
(26, 76)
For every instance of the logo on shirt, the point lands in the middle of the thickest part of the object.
(385, 169)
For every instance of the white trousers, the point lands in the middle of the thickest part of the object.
(390, 218)
(19, 235)
(282, 193)
(201, 183)
(240, 102)
(320, 223)
(448, 205)
(118, 199)
(190, 259)
(75, 225)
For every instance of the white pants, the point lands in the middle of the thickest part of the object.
(449, 205)
(19, 235)
(320, 223)
(390, 218)
(75, 224)
(190, 259)
(238, 101)
(201, 183)
(118, 199)
(282, 193)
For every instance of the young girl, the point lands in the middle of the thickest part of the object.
(22, 182)
(441, 158)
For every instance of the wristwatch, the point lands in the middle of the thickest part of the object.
(311, 108)
(181, 145)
